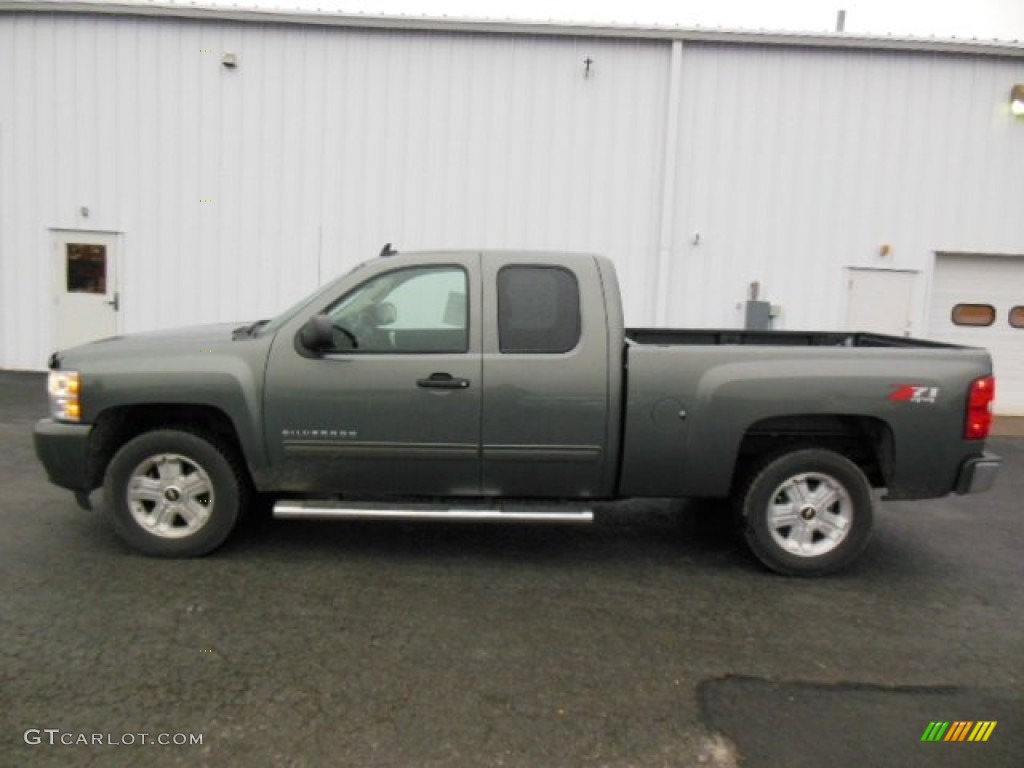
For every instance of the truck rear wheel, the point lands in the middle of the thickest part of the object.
(174, 493)
(807, 512)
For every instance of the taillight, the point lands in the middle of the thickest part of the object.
(979, 408)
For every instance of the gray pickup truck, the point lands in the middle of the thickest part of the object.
(503, 386)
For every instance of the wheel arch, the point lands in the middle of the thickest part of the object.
(866, 440)
(115, 426)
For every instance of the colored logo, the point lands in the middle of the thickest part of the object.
(959, 730)
(910, 393)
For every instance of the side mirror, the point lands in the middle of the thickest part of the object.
(316, 334)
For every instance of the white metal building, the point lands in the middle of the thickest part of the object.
(194, 165)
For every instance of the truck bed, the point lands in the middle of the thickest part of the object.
(733, 336)
(694, 396)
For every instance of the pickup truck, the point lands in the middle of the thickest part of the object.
(502, 386)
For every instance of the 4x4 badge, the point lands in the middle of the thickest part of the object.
(911, 393)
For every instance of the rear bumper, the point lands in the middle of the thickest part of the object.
(978, 474)
(64, 451)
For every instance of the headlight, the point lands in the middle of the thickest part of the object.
(64, 388)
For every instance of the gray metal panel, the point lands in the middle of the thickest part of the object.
(616, 372)
(724, 390)
(360, 423)
(547, 410)
(758, 315)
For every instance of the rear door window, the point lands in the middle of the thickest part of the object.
(538, 310)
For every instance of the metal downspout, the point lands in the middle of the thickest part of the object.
(668, 185)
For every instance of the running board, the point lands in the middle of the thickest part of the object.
(512, 513)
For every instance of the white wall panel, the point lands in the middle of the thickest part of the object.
(495, 142)
(796, 163)
(239, 190)
(236, 191)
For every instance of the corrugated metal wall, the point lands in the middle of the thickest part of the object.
(796, 163)
(326, 142)
(320, 146)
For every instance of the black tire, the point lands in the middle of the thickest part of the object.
(175, 493)
(807, 512)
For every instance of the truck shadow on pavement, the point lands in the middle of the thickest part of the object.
(699, 533)
(654, 532)
(694, 535)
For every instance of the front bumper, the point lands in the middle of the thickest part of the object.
(64, 451)
(978, 474)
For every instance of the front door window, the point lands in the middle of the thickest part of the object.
(421, 310)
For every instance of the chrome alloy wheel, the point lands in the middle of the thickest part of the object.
(810, 514)
(170, 496)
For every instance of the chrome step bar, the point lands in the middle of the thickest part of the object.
(510, 513)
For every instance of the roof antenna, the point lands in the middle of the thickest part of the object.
(387, 250)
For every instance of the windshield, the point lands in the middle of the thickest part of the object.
(273, 325)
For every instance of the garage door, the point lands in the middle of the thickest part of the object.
(979, 301)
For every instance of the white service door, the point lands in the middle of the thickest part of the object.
(85, 287)
(995, 282)
(879, 301)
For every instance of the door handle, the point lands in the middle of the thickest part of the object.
(116, 301)
(442, 381)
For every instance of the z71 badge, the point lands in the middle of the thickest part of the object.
(911, 393)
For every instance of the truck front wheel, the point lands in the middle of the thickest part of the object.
(174, 493)
(807, 512)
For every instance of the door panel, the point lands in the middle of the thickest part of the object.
(395, 409)
(85, 287)
(546, 403)
(994, 282)
(880, 301)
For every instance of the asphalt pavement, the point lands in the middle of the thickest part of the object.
(651, 638)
